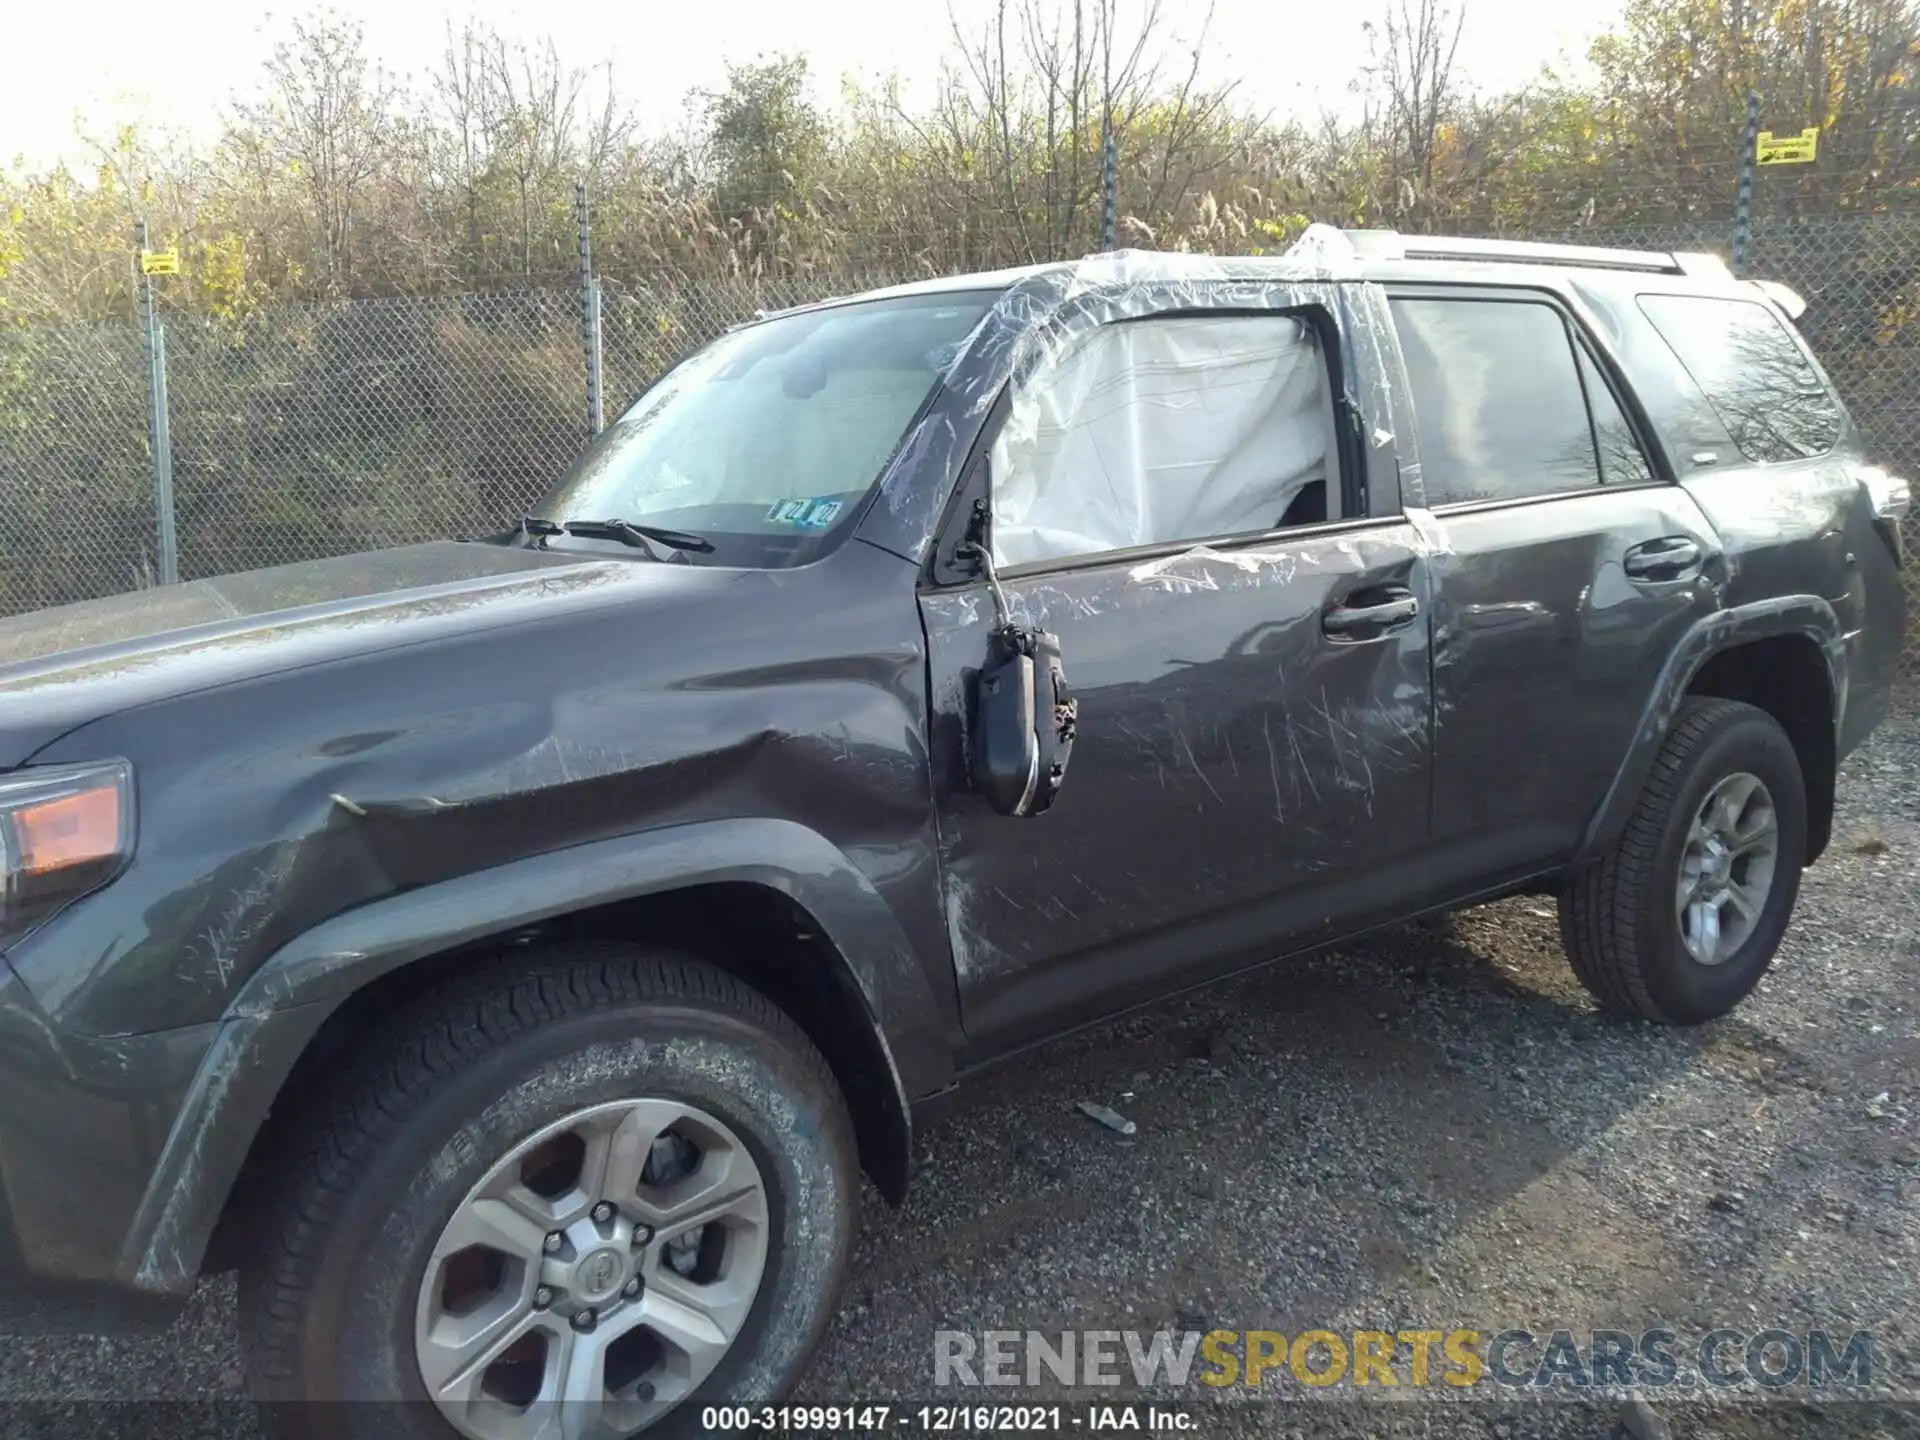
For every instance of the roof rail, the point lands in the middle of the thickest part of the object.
(1392, 245)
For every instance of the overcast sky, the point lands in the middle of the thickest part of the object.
(176, 65)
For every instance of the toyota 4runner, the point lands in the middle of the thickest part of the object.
(509, 954)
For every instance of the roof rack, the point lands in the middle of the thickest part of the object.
(1392, 245)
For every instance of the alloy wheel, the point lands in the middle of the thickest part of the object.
(595, 1276)
(1727, 868)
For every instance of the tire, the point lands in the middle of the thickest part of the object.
(1619, 915)
(336, 1298)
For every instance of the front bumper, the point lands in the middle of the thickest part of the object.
(83, 1123)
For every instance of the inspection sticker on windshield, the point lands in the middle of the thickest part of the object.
(813, 514)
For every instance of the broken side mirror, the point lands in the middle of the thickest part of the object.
(1024, 717)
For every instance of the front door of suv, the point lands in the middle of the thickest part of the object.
(1170, 498)
(1565, 571)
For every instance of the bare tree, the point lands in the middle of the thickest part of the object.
(1042, 85)
(517, 125)
(332, 117)
(459, 90)
(531, 106)
(1412, 65)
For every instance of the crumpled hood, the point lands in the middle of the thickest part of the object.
(63, 667)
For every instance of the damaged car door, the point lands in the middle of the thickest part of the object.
(1170, 507)
(1571, 570)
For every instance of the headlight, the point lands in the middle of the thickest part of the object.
(64, 831)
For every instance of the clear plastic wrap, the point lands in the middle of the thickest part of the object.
(1044, 315)
(1161, 430)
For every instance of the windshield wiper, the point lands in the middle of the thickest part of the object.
(628, 533)
(625, 531)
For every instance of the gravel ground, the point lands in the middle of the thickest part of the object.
(1431, 1130)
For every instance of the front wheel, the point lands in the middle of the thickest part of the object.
(1678, 921)
(566, 1198)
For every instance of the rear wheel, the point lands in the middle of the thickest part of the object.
(1681, 918)
(565, 1200)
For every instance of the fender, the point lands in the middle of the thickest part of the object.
(1807, 615)
(278, 1012)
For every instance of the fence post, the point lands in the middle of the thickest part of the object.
(589, 314)
(1743, 199)
(1109, 189)
(160, 436)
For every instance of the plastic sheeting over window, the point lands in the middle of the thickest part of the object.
(1153, 431)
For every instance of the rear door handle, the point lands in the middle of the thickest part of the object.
(1671, 557)
(1391, 607)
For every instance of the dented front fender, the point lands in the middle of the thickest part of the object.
(278, 1011)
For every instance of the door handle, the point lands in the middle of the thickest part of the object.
(1395, 608)
(1672, 557)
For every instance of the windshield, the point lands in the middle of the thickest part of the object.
(765, 442)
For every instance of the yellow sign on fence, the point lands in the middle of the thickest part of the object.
(1787, 149)
(159, 262)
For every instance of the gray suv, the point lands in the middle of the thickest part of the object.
(509, 953)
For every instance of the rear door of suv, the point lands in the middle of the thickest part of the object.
(1567, 566)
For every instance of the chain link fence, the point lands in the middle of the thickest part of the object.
(78, 512)
(335, 428)
(313, 430)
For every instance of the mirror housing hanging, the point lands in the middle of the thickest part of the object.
(1024, 717)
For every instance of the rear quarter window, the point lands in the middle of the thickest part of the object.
(1752, 371)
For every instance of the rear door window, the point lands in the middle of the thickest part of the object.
(1498, 403)
(1758, 380)
(1622, 461)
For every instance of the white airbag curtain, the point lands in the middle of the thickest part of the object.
(1159, 430)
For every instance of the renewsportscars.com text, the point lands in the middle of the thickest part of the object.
(1459, 1358)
